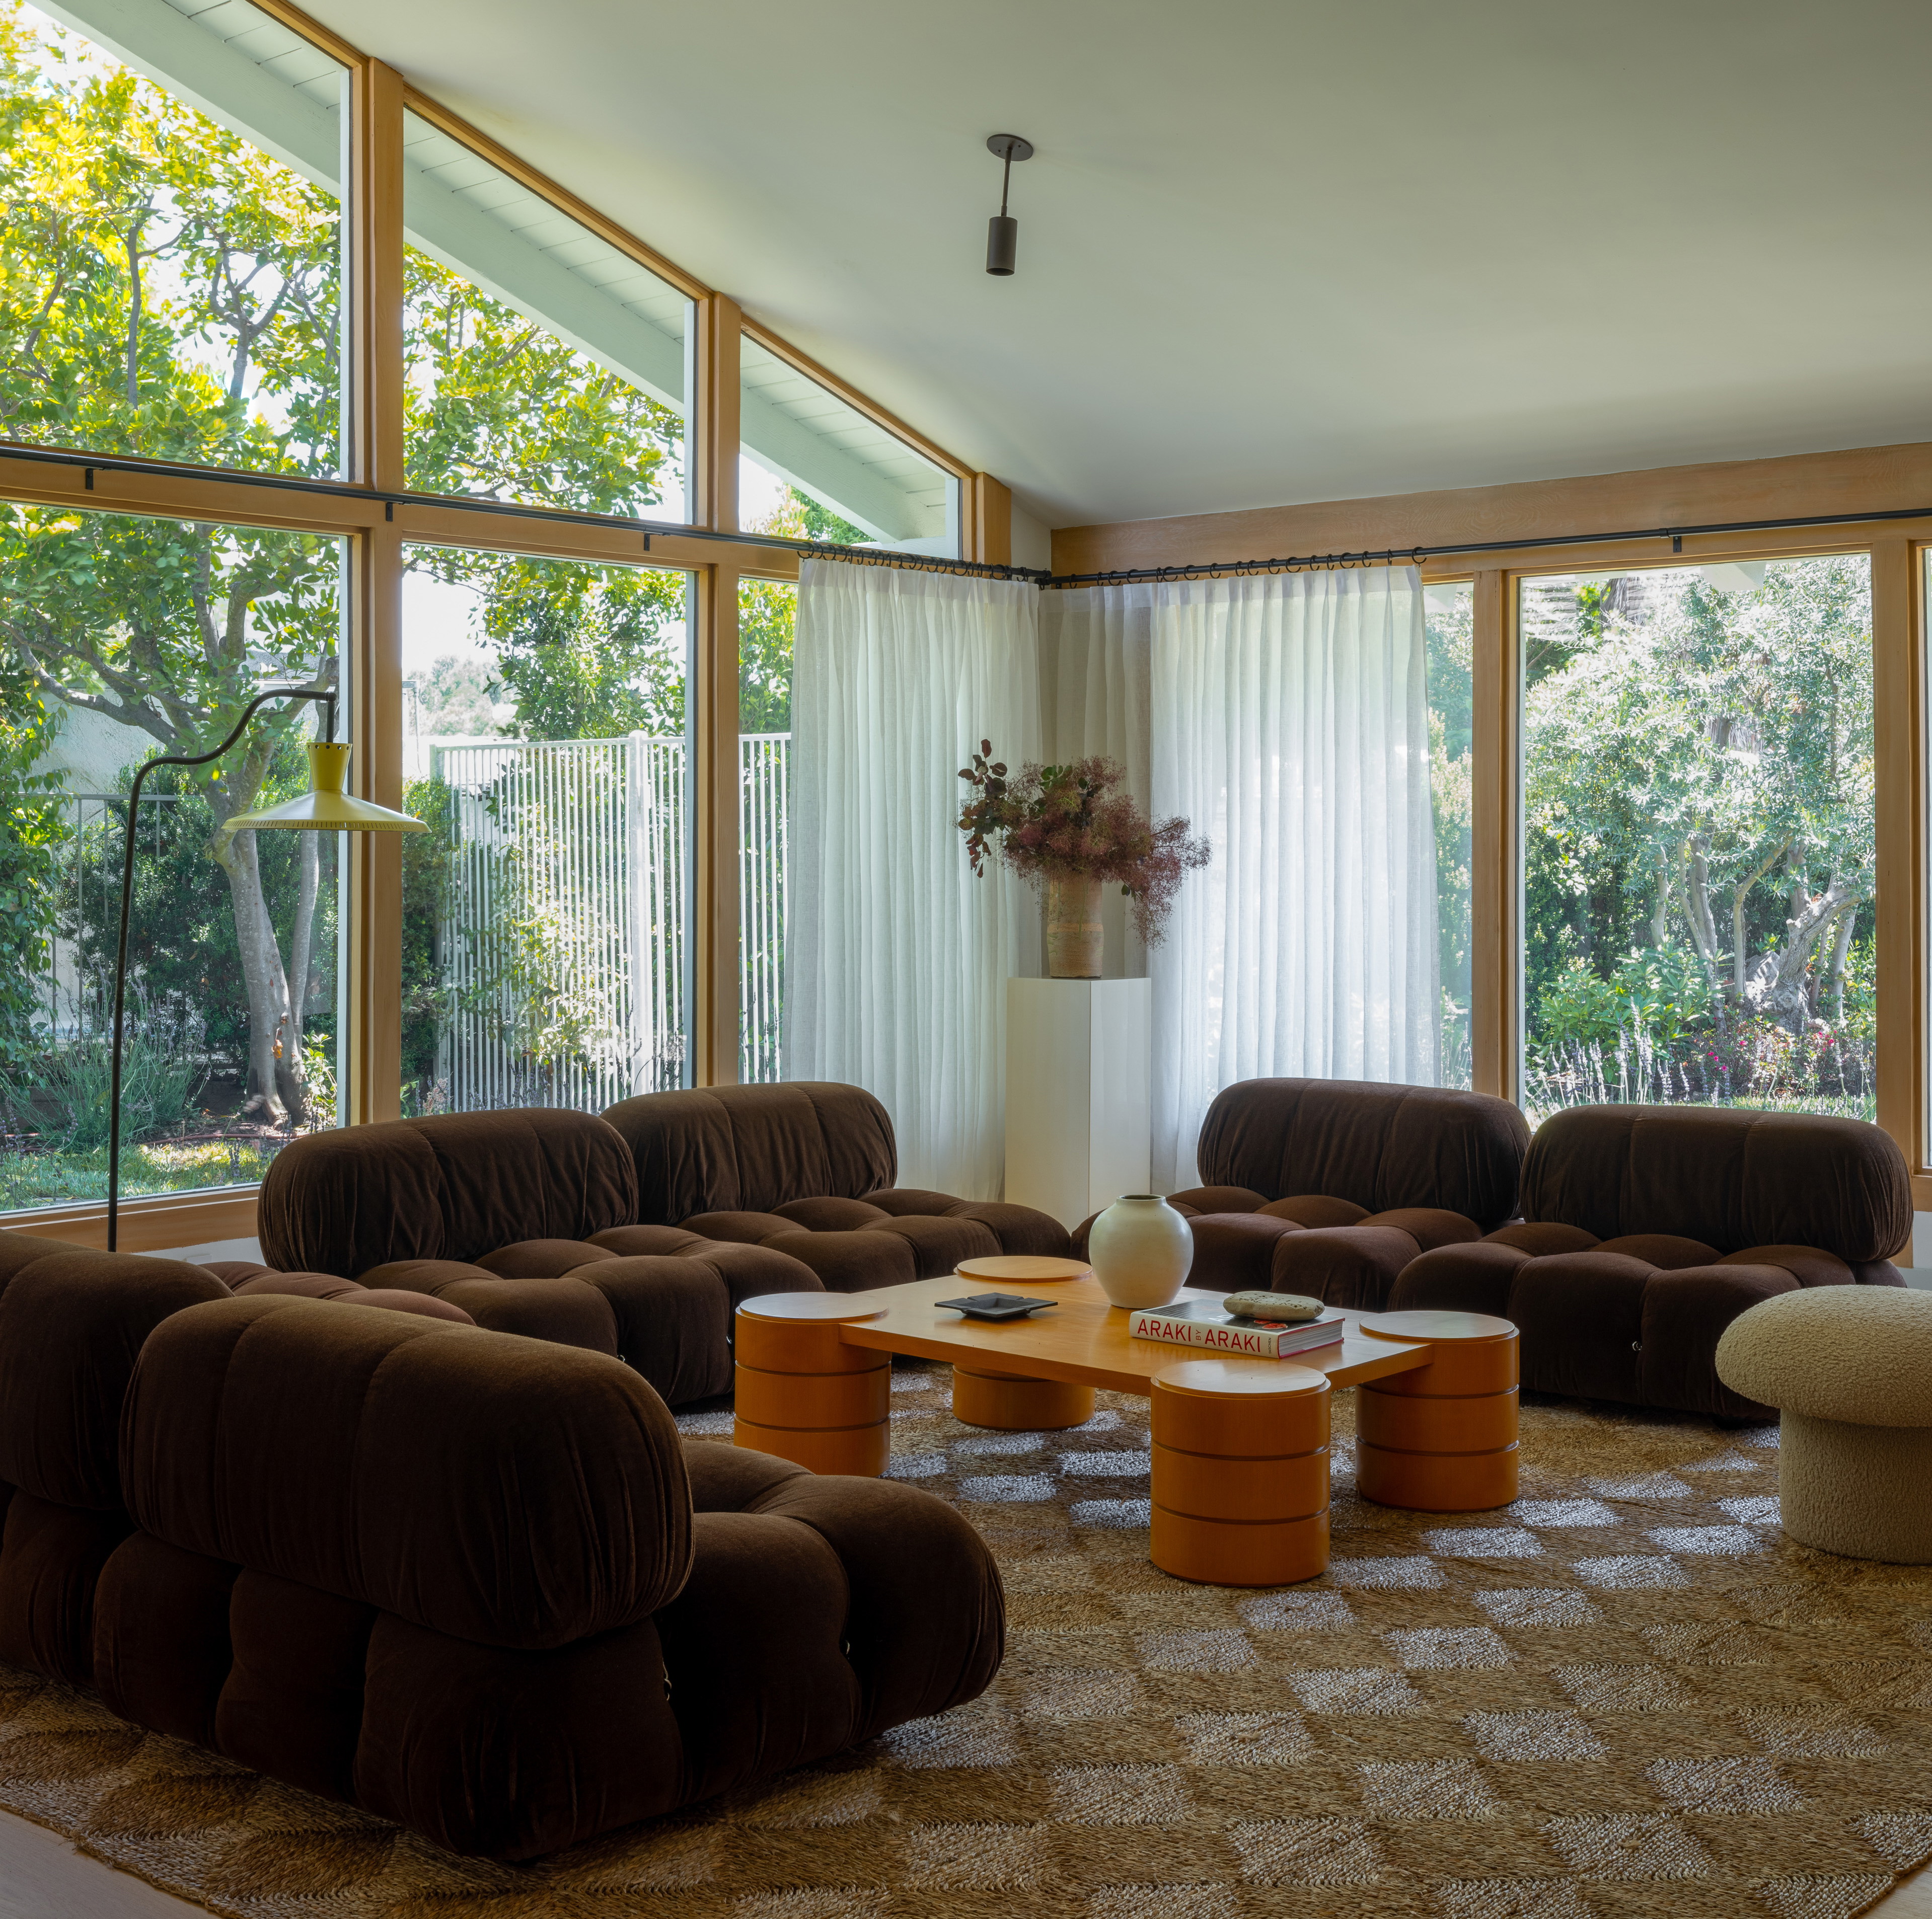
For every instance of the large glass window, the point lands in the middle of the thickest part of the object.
(171, 237)
(1449, 620)
(122, 638)
(767, 614)
(545, 915)
(545, 366)
(1699, 870)
(814, 467)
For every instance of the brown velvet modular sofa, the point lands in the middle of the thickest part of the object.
(471, 1581)
(637, 1235)
(1647, 1230)
(1331, 1187)
(806, 1169)
(526, 1221)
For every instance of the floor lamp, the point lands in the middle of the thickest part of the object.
(325, 808)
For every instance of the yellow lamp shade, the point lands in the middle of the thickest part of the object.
(325, 808)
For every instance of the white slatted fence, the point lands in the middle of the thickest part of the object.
(566, 951)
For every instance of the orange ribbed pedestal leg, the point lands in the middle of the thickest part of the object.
(1240, 1474)
(1443, 1437)
(804, 1394)
(1008, 1403)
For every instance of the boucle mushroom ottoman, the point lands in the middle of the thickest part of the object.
(1849, 1368)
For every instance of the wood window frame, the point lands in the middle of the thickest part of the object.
(372, 511)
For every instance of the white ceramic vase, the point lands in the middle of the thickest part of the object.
(1140, 1250)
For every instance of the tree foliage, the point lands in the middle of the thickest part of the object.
(1699, 824)
(168, 290)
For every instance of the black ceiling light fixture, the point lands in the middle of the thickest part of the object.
(1003, 234)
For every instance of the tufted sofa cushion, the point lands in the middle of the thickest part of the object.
(530, 1494)
(1378, 1146)
(1331, 1187)
(508, 1218)
(450, 1187)
(805, 1169)
(72, 1324)
(1648, 1229)
(1730, 1177)
(476, 1584)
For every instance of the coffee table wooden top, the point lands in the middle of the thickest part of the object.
(1083, 1338)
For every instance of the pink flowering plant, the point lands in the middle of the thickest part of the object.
(1077, 822)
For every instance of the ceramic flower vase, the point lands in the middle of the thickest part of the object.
(1141, 1250)
(1074, 933)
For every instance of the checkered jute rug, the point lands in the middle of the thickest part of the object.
(1626, 1695)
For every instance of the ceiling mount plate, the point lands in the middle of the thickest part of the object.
(1009, 146)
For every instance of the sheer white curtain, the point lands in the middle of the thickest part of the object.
(1287, 717)
(895, 977)
(1291, 725)
(1096, 653)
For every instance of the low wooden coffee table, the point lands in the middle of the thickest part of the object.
(1239, 1468)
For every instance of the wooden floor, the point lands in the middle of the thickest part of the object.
(1912, 1900)
(43, 1877)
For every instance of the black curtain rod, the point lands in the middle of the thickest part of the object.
(91, 463)
(1391, 556)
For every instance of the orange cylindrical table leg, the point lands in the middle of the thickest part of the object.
(1008, 1403)
(1240, 1473)
(1443, 1437)
(805, 1394)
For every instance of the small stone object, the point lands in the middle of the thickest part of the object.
(1286, 1308)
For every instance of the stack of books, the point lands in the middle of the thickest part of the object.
(1204, 1323)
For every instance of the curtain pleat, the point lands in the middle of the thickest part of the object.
(1290, 724)
(1286, 717)
(898, 961)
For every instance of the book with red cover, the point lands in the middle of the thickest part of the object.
(1204, 1324)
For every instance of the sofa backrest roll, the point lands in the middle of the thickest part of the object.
(1378, 1146)
(1730, 1177)
(72, 1323)
(505, 1491)
(733, 1149)
(453, 1187)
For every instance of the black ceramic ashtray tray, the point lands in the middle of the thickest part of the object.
(996, 1306)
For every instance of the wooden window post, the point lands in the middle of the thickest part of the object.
(373, 668)
(715, 778)
(1495, 959)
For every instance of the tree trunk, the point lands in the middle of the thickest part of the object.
(1778, 982)
(1841, 950)
(1697, 905)
(261, 976)
(1740, 946)
(293, 1076)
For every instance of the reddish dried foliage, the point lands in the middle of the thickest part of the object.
(1077, 822)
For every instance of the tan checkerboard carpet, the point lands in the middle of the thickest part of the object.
(1627, 1694)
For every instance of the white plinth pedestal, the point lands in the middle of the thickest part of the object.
(1079, 1114)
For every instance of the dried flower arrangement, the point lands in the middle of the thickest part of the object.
(1077, 822)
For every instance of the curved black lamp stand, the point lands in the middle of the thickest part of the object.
(322, 698)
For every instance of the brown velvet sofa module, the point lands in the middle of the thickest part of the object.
(1647, 1230)
(806, 1169)
(71, 1324)
(476, 1583)
(1331, 1187)
(525, 1221)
